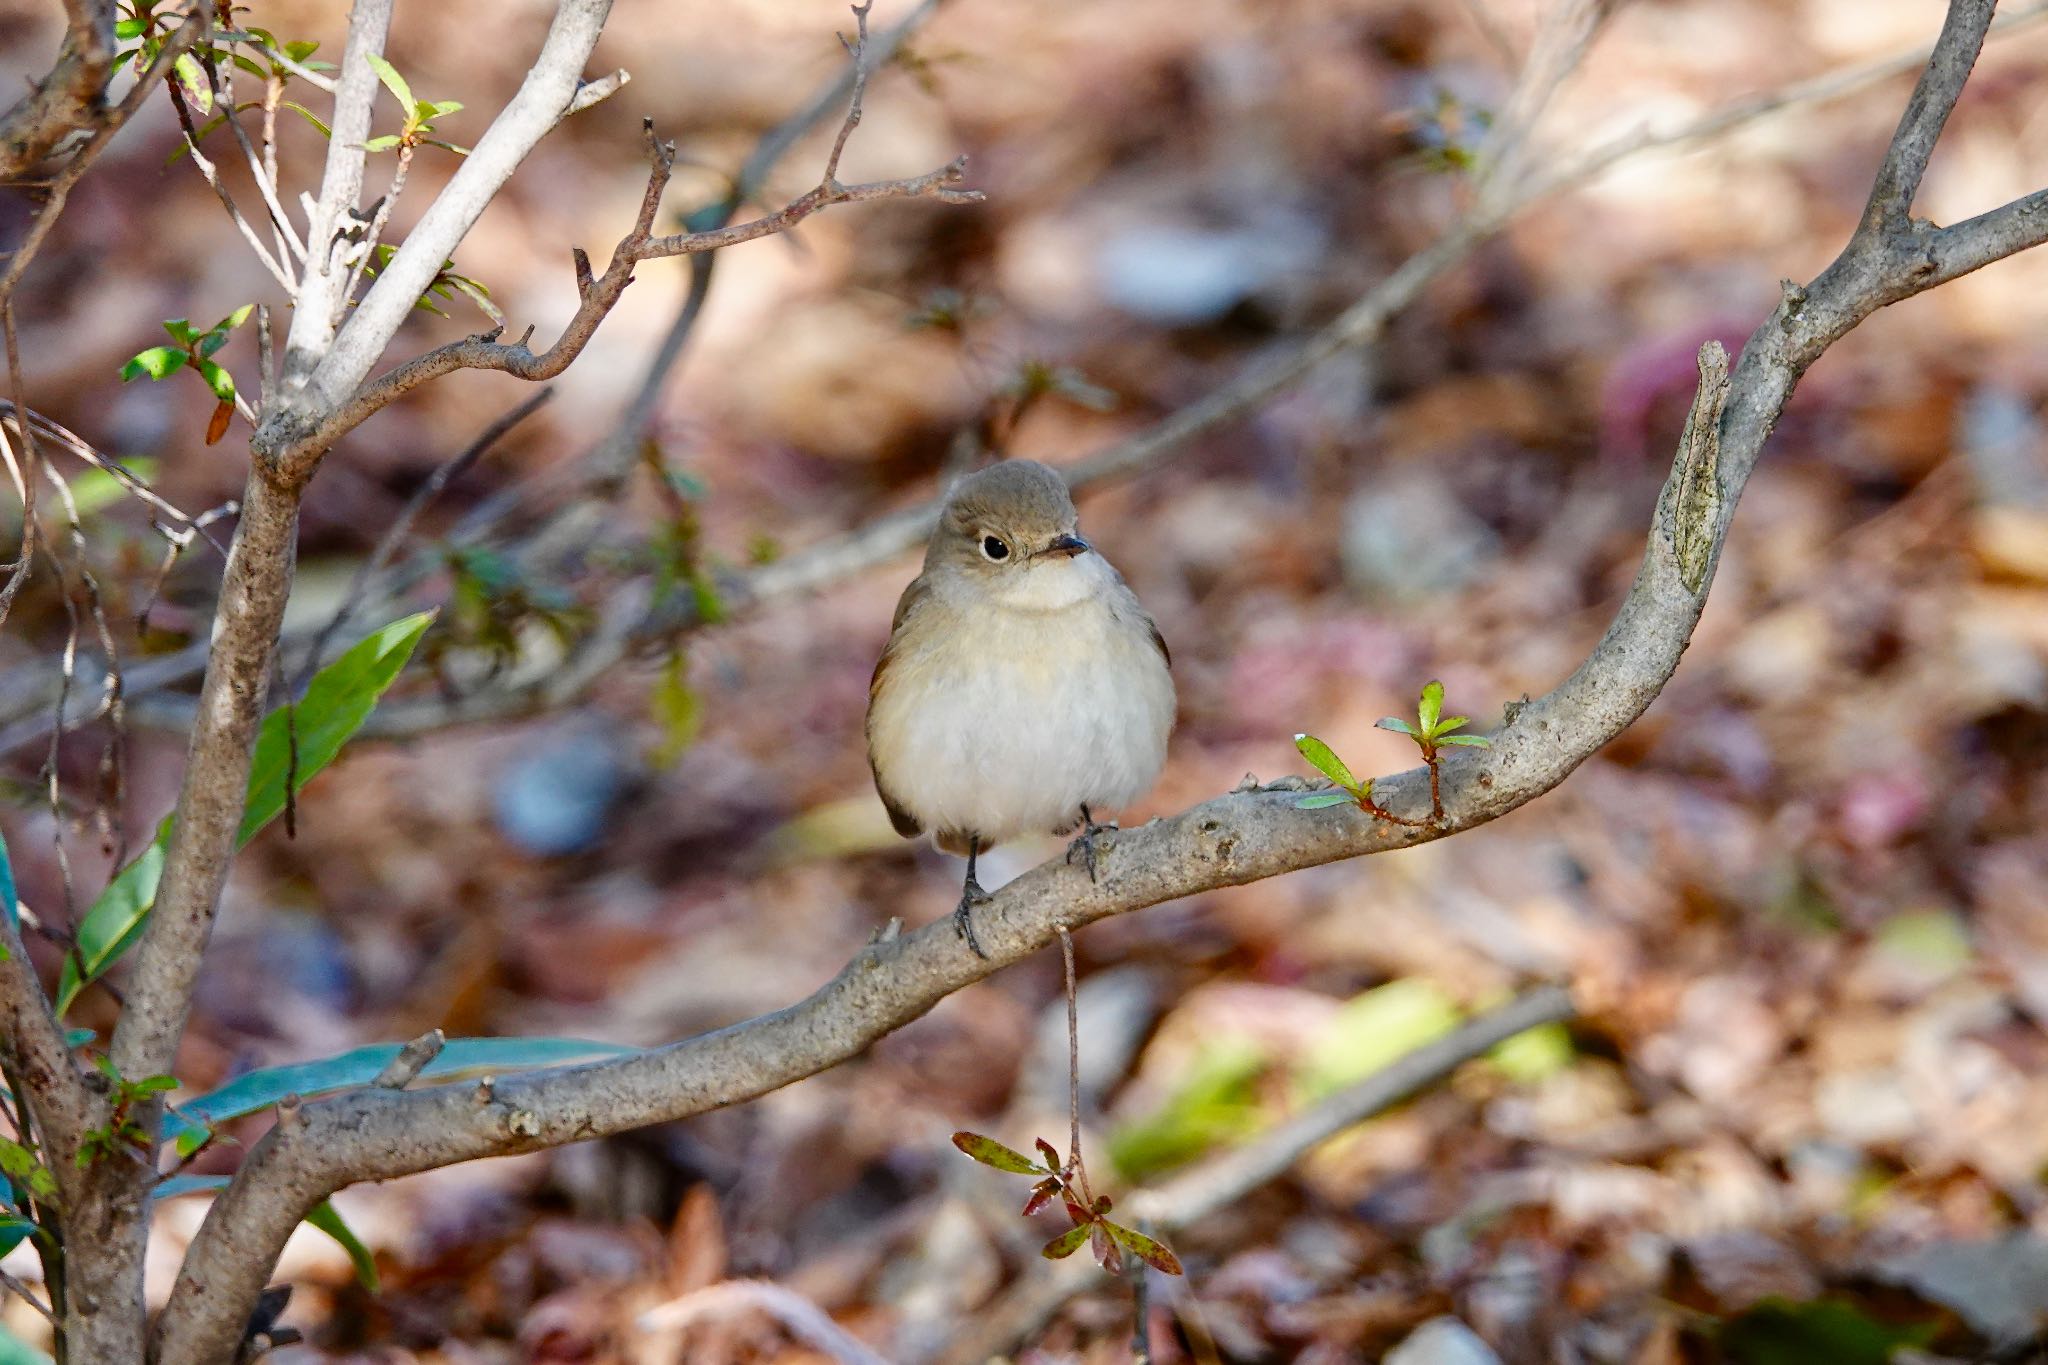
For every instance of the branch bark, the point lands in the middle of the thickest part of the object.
(1248, 835)
(71, 99)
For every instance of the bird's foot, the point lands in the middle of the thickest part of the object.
(971, 895)
(1085, 843)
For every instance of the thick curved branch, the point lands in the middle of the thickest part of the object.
(1235, 839)
(71, 99)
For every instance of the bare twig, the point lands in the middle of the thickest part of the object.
(1186, 1199)
(179, 41)
(598, 296)
(405, 1068)
(279, 269)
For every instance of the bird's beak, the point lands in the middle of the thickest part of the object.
(1069, 546)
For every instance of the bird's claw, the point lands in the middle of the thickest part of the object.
(971, 895)
(1085, 845)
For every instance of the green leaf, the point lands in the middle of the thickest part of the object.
(337, 702)
(180, 331)
(1325, 761)
(255, 1091)
(325, 1218)
(15, 1351)
(1432, 705)
(1146, 1249)
(78, 1037)
(121, 59)
(1448, 724)
(393, 82)
(381, 144)
(1465, 741)
(678, 708)
(309, 116)
(1396, 724)
(14, 1230)
(178, 1186)
(157, 362)
(1217, 1100)
(191, 77)
(299, 51)
(1780, 1332)
(1067, 1243)
(441, 108)
(989, 1152)
(248, 64)
(235, 319)
(212, 342)
(1323, 799)
(219, 380)
(10, 901)
(21, 1166)
(125, 29)
(1535, 1054)
(446, 146)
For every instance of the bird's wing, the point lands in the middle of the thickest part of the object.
(906, 824)
(1165, 654)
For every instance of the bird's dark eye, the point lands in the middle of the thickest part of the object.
(994, 548)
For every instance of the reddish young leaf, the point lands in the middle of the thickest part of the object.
(1102, 1204)
(1152, 1253)
(223, 413)
(1066, 1244)
(989, 1152)
(1051, 1155)
(1076, 1212)
(1105, 1250)
(1041, 1195)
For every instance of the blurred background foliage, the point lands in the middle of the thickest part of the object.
(1801, 903)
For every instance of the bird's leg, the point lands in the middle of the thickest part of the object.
(971, 895)
(1085, 844)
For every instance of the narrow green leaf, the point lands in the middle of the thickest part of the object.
(381, 144)
(157, 362)
(1066, 1244)
(249, 65)
(446, 146)
(1146, 1249)
(1448, 724)
(10, 901)
(1432, 705)
(78, 1037)
(393, 82)
(299, 51)
(178, 1186)
(337, 702)
(989, 1152)
(1325, 761)
(235, 319)
(218, 379)
(309, 116)
(1321, 800)
(121, 59)
(14, 1230)
(1396, 724)
(1466, 741)
(325, 1218)
(255, 1091)
(443, 108)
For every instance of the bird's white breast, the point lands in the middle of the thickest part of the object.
(1004, 717)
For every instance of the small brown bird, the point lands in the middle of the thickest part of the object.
(1023, 687)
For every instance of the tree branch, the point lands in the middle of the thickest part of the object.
(71, 99)
(323, 288)
(1248, 835)
(543, 98)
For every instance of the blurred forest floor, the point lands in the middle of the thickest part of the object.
(1803, 905)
